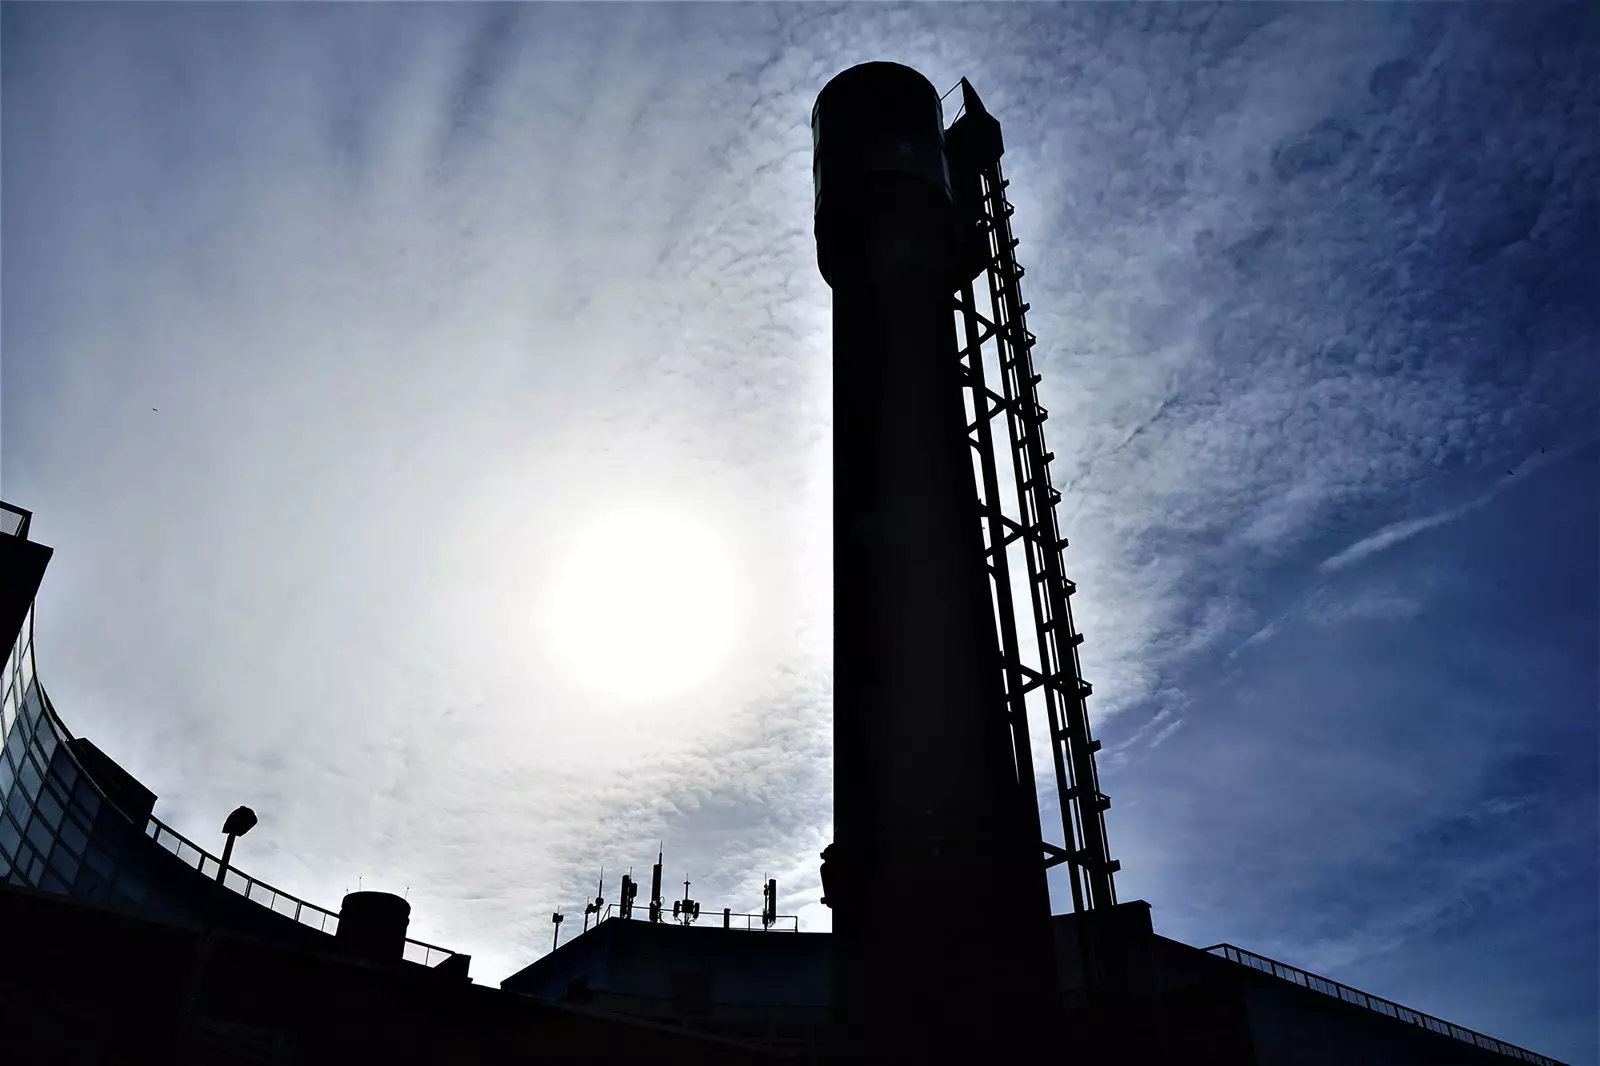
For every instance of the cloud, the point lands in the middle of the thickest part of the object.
(1388, 537)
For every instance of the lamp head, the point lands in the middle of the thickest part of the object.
(240, 822)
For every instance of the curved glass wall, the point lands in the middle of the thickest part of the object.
(57, 831)
(61, 832)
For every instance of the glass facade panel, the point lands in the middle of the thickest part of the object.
(50, 881)
(17, 803)
(91, 887)
(30, 864)
(15, 743)
(130, 887)
(31, 706)
(100, 862)
(45, 740)
(41, 835)
(7, 775)
(49, 808)
(29, 777)
(10, 836)
(74, 836)
(64, 863)
(52, 787)
(62, 770)
(86, 797)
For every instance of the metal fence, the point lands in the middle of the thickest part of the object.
(1306, 979)
(274, 899)
(785, 923)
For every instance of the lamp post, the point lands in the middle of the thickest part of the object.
(237, 824)
(240, 822)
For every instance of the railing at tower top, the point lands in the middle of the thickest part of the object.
(975, 166)
(274, 899)
(1327, 986)
(784, 923)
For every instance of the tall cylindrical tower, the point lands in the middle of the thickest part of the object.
(929, 845)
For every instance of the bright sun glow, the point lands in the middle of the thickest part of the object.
(644, 603)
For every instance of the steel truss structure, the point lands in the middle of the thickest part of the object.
(1003, 335)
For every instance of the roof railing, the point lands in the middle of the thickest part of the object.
(1327, 986)
(274, 899)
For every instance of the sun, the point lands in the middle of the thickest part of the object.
(643, 602)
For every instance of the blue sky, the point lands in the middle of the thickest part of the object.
(422, 293)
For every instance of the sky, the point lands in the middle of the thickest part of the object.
(337, 338)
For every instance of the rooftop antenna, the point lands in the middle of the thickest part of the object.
(629, 891)
(556, 919)
(655, 885)
(769, 903)
(685, 910)
(598, 904)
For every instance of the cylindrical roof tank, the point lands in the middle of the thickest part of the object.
(879, 166)
(373, 925)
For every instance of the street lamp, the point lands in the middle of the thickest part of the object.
(240, 822)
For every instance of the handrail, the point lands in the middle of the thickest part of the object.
(274, 899)
(709, 919)
(1327, 986)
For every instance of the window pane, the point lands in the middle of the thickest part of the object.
(86, 797)
(130, 888)
(41, 835)
(45, 739)
(53, 787)
(15, 744)
(61, 769)
(28, 775)
(30, 864)
(6, 775)
(64, 863)
(17, 803)
(73, 836)
(31, 706)
(100, 861)
(10, 836)
(90, 887)
(50, 882)
(49, 808)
